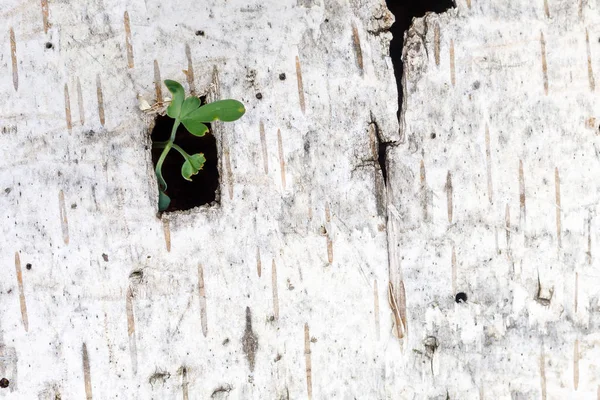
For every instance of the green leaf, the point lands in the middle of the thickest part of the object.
(192, 165)
(174, 109)
(224, 110)
(163, 201)
(196, 128)
(189, 105)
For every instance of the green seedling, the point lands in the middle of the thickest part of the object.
(187, 111)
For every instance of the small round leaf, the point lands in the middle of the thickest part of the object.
(192, 165)
(178, 93)
(196, 128)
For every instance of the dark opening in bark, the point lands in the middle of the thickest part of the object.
(203, 187)
(461, 297)
(405, 11)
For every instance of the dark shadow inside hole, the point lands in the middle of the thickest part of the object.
(203, 187)
(404, 11)
(382, 159)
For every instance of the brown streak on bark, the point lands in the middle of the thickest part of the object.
(589, 62)
(544, 63)
(308, 361)
(215, 88)
(589, 241)
(100, 100)
(424, 194)
(328, 236)
(454, 269)
(63, 217)
(543, 373)
(129, 310)
(275, 291)
(449, 190)
(396, 306)
(87, 380)
(496, 240)
(167, 233)
(68, 109)
(522, 195)
(436, 42)
(184, 383)
(228, 172)
(452, 64)
(80, 103)
(131, 330)
(22, 302)
(546, 9)
(576, 365)
(376, 310)
(488, 156)
(190, 71)
(128, 42)
(329, 250)
(202, 293)
(281, 158)
(263, 144)
(357, 49)
(373, 141)
(507, 228)
(157, 83)
(258, 262)
(13, 56)
(558, 208)
(45, 15)
(402, 306)
(300, 85)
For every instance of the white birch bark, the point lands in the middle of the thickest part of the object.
(269, 294)
(312, 277)
(494, 193)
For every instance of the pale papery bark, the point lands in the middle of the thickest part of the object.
(490, 189)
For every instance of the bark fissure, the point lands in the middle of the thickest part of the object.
(404, 12)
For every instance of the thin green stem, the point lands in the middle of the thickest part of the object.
(162, 145)
(181, 151)
(159, 145)
(163, 155)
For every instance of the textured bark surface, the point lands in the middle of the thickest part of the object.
(493, 192)
(313, 277)
(279, 291)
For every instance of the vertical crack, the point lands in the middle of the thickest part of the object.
(381, 146)
(405, 11)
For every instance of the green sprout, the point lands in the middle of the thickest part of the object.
(187, 111)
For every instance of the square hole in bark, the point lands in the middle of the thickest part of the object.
(203, 187)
